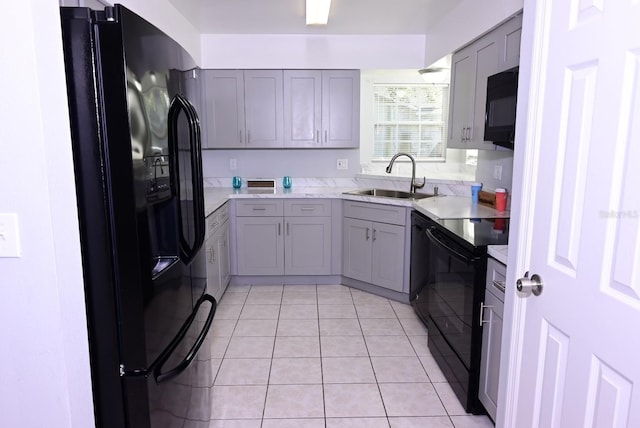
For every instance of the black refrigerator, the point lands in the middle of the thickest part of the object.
(138, 169)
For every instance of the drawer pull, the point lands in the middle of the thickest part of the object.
(307, 209)
(500, 285)
(259, 209)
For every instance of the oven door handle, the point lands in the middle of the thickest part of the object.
(448, 249)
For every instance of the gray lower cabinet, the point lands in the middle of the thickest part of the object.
(492, 314)
(217, 252)
(283, 237)
(373, 247)
(260, 246)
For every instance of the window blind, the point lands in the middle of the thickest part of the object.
(411, 119)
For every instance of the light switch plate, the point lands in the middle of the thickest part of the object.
(9, 236)
(497, 172)
(343, 164)
(233, 164)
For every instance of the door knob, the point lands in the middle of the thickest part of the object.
(530, 285)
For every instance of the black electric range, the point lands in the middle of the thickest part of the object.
(448, 275)
(479, 232)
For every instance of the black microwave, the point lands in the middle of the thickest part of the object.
(500, 114)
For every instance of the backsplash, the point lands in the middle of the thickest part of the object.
(361, 181)
(445, 187)
(279, 162)
(487, 161)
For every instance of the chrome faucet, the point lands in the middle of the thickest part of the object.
(414, 186)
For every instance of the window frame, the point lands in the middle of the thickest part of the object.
(421, 124)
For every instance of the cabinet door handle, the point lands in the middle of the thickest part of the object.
(240, 136)
(367, 234)
(317, 136)
(482, 307)
(287, 228)
(279, 231)
(248, 137)
(374, 235)
(326, 135)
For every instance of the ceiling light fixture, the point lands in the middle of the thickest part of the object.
(318, 12)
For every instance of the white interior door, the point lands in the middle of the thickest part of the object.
(571, 354)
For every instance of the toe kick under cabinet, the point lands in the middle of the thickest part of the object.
(374, 244)
(283, 237)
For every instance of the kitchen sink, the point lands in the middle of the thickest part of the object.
(385, 193)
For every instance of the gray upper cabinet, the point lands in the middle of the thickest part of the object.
(263, 108)
(497, 51)
(281, 108)
(224, 109)
(243, 109)
(322, 108)
(302, 108)
(341, 108)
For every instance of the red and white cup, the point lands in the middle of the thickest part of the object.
(501, 199)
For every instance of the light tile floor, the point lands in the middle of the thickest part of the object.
(325, 356)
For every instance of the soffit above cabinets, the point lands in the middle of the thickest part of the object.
(288, 16)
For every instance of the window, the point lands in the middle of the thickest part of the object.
(411, 119)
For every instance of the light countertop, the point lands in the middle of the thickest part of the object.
(448, 207)
(439, 207)
(436, 207)
(215, 197)
(498, 252)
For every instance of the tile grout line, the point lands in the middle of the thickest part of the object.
(386, 413)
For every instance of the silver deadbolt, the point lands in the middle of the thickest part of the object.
(533, 284)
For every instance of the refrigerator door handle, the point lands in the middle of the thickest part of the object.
(179, 103)
(197, 177)
(158, 365)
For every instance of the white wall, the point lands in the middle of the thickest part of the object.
(312, 51)
(166, 17)
(160, 13)
(44, 360)
(465, 23)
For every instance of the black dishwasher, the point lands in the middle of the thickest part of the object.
(448, 268)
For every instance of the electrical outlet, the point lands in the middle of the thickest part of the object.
(343, 164)
(497, 172)
(233, 164)
(9, 237)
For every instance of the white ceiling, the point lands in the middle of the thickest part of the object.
(288, 16)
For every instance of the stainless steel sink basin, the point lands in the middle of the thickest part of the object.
(385, 193)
